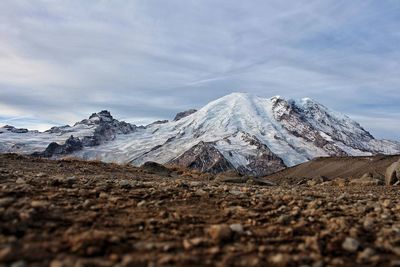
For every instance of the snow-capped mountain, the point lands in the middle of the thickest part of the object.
(239, 131)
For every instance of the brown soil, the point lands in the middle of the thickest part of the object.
(74, 213)
(336, 167)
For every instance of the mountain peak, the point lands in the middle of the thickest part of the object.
(104, 115)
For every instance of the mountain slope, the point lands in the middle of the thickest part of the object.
(253, 135)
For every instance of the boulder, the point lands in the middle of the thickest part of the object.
(393, 173)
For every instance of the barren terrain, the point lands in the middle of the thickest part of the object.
(75, 213)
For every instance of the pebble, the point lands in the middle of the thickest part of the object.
(201, 193)
(283, 219)
(125, 184)
(194, 242)
(278, 259)
(141, 203)
(365, 255)
(20, 181)
(220, 232)
(39, 204)
(350, 244)
(103, 195)
(237, 228)
(368, 223)
(387, 203)
(235, 192)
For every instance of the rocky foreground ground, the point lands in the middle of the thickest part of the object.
(74, 213)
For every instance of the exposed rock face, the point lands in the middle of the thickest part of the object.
(393, 173)
(203, 157)
(184, 114)
(263, 162)
(108, 126)
(15, 130)
(58, 129)
(157, 122)
(72, 144)
(292, 119)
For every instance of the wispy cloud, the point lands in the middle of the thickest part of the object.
(146, 59)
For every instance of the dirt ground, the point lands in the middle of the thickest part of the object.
(336, 167)
(74, 213)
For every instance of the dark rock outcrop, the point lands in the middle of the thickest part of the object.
(107, 127)
(184, 114)
(58, 129)
(15, 130)
(203, 157)
(54, 149)
(157, 122)
(264, 162)
(293, 120)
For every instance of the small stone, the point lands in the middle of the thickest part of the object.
(279, 259)
(141, 203)
(201, 193)
(20, 181)
(125, 184)
(365, 255)
(387, 203)
(220, 232)
(284, 219)
(39, 204)
(194, 242)
(350, 244)
(103, 195)
(237, 228)
(368, 223)
(235, 192)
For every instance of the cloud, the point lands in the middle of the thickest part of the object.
(148, 59)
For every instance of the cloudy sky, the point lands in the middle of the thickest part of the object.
(148, 59)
